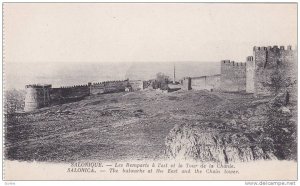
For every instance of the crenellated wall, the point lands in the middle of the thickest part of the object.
(233, 76)
(109, 87)
(38, 96)
(69, 93)
(267, 66)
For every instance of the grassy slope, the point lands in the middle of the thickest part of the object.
(114, 126)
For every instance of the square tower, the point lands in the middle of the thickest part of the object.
(273, 68)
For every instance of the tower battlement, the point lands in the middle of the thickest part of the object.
(225, 61)
(38, 86)
(274, 48)
(249, 58)
(232, 63)
(106, 82)
(74, 86)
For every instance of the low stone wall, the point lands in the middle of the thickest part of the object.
(206, 82)
(136, 85)
(186, 83)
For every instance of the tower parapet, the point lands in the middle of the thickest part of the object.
(275, 47)
(249, 58)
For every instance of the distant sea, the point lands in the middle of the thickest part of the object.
(17, 75)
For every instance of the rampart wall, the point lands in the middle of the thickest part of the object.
(269, 70)
(68, 93)
(38, 96)
(109, 87)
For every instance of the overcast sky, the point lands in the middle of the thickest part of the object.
(143, 32)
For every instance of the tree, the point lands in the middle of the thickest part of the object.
(161, 81)
(161, 77)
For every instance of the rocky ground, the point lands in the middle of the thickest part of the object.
(201, 125)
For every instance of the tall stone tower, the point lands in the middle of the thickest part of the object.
(271, 66)
(37, 96)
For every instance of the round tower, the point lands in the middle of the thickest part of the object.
(37, 96)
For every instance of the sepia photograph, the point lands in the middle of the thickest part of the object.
(150, 91)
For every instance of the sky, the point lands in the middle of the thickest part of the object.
(164, 32)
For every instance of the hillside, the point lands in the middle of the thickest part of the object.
(135, 125)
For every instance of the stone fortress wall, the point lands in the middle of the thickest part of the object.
(38, 96)
(108, 87)
(253, 76)
(68, 93)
